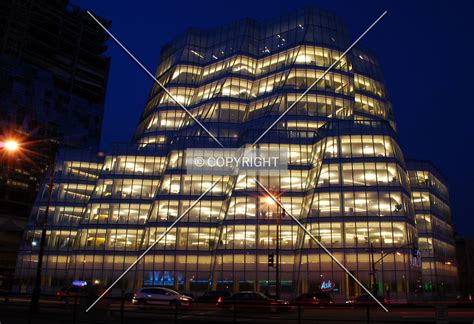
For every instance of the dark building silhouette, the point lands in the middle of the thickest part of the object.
(53, 78)
(465, 259)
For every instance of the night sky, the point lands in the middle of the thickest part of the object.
(425, 49)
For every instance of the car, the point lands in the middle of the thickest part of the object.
(69, 293)
(186, 293)
(316, 298)
(212, 296)
(160, 296)
(366, 300)
(467, 297)
(128, 296)
(251, 299)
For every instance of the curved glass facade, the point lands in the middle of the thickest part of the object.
(435, 232)
(347, 180)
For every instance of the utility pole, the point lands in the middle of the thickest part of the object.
(277, 268)
(373, 262)
(373, 280)
(37, 287)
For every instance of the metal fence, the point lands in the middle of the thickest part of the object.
(15, 308)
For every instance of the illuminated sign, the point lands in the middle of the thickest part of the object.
(327, 285)
(79, 283)
(158, 278)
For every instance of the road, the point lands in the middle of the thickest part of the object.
(53, 311)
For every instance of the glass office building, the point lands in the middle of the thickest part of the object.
(435, 232)
(347, 180)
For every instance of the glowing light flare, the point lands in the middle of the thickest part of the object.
(269, 200)
(10, 145)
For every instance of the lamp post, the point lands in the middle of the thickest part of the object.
(42, 223)
(372, 273)
(277, 268)
(13, 146)
(7, 169)
(276, 260)
(373, 281)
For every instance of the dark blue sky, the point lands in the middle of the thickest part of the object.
(425, 49)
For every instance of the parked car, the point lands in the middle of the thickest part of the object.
(467, 297)
(160, 296)
(320, 298)
(128, 296)
(366, 299)
(187, 293)
(69, 293)
(212, 296)
(252, 299)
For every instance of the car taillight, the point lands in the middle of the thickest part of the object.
(219, 300)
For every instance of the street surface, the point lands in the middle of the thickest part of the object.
(16, 310)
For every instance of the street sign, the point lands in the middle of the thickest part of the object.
(327, 285)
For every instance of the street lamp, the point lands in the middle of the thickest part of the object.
(14, 146)
(11, 145)
(270, 201)
(395, 250)
(372, 273)
(42, 222)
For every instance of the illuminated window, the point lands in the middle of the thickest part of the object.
(379, 234)
(239, 237)
(326, 204)
(369, 85)
(370, 174)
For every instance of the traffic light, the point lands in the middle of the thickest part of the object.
(271, 259)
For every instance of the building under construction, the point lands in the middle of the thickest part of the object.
(53, 78)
